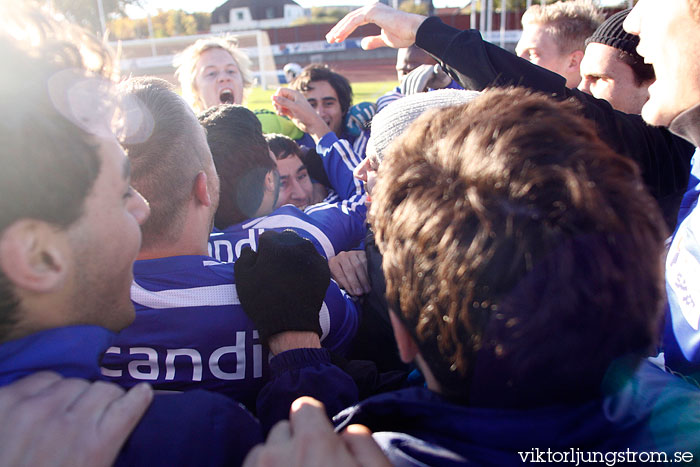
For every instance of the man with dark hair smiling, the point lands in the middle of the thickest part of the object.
(296, 186)
(329, 94)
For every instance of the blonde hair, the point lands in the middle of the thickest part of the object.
(569, 22)
(186, 61)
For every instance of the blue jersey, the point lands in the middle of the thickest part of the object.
(191, 332)
(332, 228)
(340, 156)
(682, 333)
(339, 161)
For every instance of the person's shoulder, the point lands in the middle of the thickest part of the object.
(177, 272)
(666, 403)
(280, 217)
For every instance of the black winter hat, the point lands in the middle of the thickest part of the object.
(610, 33)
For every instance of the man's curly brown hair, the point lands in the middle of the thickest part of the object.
(520, 251)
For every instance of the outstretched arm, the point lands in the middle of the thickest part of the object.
(477, 64)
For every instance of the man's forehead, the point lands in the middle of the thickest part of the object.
(126, 168)
(599, 56)
(535, 34)
(290, 165)
(215, 56)
(416, 55)
(324, 88)
(115, 165)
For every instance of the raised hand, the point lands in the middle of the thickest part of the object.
(398, 27)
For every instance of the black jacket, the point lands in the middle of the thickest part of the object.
(664, 159)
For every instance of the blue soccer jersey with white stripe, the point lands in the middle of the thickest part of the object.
(339, 161)
(340, 157)
(332, 228)
(191, 332)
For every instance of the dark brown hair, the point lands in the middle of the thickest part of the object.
(520, 251)
(242, 159)
(283, 146)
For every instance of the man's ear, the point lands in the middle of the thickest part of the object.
(408, 349)
(575, 58)
(34, 255)
(270, 181)
(201, 189)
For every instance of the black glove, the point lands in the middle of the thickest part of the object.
(283, 284)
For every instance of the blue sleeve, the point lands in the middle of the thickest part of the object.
(339, 319)
(339, 160)
(306, 140)
(682, 330)
(454, 85)
(304, 372)
(344, 222)
(388, 98)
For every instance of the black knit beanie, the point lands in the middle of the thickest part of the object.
(610, 33)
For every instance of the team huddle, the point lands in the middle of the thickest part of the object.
(493, 262)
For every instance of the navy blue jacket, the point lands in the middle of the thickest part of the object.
(664, 159)
(653, 411)
(193, 428)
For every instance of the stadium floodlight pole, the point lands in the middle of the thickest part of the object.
(101, 13)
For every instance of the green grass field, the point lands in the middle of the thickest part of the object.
(259, 98)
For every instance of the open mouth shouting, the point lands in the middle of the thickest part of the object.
(226, 96)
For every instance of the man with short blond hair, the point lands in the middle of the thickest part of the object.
(554, 35)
